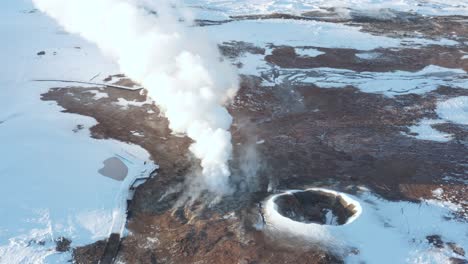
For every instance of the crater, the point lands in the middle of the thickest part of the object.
(316, 206)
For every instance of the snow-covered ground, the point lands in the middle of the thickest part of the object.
(296, 33)
(223, 8)
(50, 185)
(308, 33)
(388, 83)
(423, 130)
(454, 110)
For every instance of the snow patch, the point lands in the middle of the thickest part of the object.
(388, 83)
(307, 52)
(454, 110)
(125, 104)
(423, 130)
(98, 94)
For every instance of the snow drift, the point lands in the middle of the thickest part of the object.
(154, 45)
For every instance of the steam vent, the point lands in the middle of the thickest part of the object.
(315, 206)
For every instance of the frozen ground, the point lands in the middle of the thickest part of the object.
(49, 170)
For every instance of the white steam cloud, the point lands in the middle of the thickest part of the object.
(182, 71)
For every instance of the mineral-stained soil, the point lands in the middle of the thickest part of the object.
(286, 136)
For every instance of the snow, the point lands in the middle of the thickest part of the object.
(306, 52)
(383, 231)
(424, 131)
(387, 83)
(307, 33)
(368, 55)
(124, 103)
(330, 218)
(97, 94)
(391, 83)
(438, 192)
(138, 134)
(454, 110)
(253, 64)
(223, 8)
(50, 181)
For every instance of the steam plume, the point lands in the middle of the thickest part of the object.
(182, 71)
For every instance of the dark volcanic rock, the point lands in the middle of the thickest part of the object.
(435, 240)
(62, 244)
(90, 253)
(456, 248)
(458, 261)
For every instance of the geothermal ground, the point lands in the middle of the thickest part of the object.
(370, 103)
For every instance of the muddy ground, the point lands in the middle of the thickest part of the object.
(295, 136)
